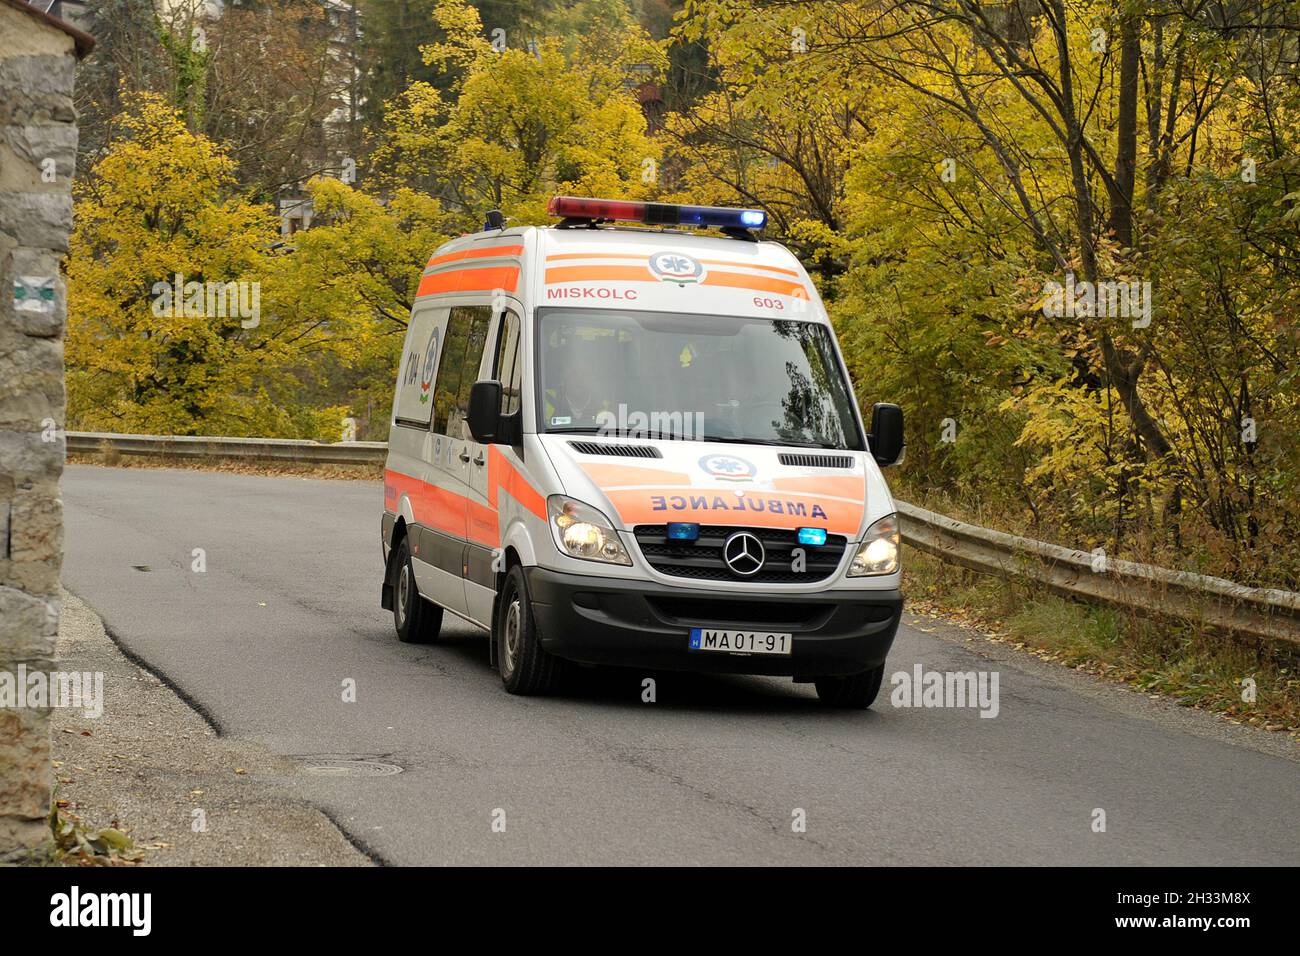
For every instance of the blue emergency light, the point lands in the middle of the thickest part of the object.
(812, 536)
(655, 213)
(683, 531)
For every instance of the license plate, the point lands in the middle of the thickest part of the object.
(740, 642)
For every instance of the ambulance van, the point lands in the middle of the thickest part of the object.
(618, 441)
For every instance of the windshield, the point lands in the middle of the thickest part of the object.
(694, 377)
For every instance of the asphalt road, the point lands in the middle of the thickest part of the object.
(712, 773)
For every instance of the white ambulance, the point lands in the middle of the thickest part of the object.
(618, 442)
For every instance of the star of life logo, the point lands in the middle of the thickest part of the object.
(676, 267)
(728, 467)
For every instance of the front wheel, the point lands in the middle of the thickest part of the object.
(856, 691)
(417, 621)
(526, 667)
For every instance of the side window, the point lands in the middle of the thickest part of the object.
(506, 367)
(449, 370)
(475, 319)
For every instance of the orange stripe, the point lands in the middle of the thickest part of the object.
(481, 253)
(431, 506)
(841, 486)
(482, 524)
(503, 474)
(750, 265)
(470, 280)
(597, 273)
(462, 517)
(611, 476)
(736, 280)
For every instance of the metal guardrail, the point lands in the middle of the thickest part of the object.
(1145, 589)
(258, 449)
(1148, 590)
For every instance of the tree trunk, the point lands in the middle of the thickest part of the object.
(1121, 200)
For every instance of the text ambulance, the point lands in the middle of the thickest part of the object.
(639, 446)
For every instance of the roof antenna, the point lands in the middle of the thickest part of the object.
(494, 220)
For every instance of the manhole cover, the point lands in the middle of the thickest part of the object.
(351, 768)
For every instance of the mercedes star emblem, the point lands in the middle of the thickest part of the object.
(743, 553)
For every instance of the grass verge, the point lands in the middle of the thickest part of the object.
(1198, 669)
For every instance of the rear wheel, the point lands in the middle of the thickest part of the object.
(526, 667)
(417, 620)
(856, 691)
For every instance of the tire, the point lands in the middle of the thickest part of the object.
(855, 692)
(526, 668)
(417, 621)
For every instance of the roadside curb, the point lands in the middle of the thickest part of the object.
(154, 766)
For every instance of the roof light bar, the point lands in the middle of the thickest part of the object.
(655, 213)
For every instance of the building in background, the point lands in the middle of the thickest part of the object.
(71, 12)
(334, 139)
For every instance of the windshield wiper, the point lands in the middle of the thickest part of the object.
(770, 441)
(664, 436)
(613, 433)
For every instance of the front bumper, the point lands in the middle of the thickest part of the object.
(600, 620)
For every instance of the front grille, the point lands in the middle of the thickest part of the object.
(722, 611)
(802, 460)
(621, 451)
(701, 559)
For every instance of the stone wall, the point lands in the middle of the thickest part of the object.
(38, 141)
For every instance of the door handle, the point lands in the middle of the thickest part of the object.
(479, 459)
(464, 454)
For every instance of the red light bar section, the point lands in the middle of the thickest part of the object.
(571, 207)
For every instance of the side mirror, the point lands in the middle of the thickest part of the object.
(484, 415)
(886, 438)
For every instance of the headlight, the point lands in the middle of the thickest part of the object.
(878, 553)
(583, 532)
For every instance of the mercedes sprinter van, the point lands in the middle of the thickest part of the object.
(617, 441)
